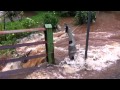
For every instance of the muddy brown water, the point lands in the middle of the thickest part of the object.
(105, 22)
(29, 13)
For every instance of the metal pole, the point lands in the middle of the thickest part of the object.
(87, 36)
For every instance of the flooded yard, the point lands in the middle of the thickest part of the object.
(103, 53)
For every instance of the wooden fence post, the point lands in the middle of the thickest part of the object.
(49, 45)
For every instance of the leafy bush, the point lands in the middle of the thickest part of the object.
(51, 18)
(10, 39)
(13, 25)
(1, 26)
(28, 23)
(81, 17)
(67, 13)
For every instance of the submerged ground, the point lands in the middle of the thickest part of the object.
(103, 55)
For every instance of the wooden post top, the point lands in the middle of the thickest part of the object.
(48, 26)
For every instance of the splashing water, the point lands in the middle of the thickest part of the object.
(98, 58)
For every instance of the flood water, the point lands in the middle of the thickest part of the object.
(107, 22)
(29, 13)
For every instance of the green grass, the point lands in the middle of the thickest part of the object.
(18, 24)
(10, 39)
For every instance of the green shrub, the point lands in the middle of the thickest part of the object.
(1, 26)
(66, 13)
(14, 25)
(51, 18)
(81, 17)
(10, 39)
(29, 23)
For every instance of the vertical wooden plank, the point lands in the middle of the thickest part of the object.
(49, 44)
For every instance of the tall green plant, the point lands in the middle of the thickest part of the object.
(81, 17)
(66, 13)
(28, 23)
(51, 18)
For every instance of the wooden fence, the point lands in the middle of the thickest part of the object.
(48, 32)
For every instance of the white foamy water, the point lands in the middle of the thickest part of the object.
(12, 66)
(98, 58)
